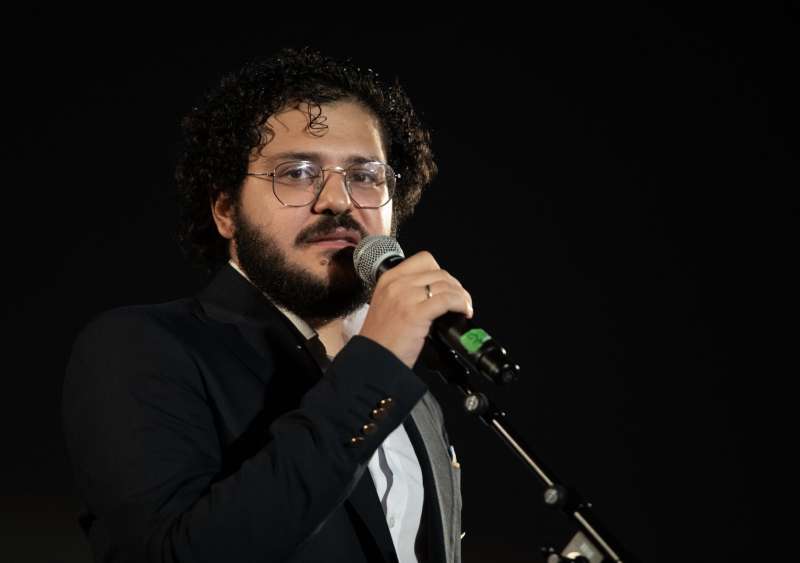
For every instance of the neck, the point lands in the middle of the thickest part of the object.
(332, 336)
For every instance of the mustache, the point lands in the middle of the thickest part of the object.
(327, 225)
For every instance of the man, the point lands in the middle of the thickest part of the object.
(275, 415)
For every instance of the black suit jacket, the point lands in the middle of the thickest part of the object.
(202, 430)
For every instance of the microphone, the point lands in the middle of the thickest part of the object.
(473, 347)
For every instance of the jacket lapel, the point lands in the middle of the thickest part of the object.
(440, 493)
(251, 327)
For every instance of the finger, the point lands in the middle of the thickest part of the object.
(420, 262)
(443, 302)
(446, 285)
(431, 277)
(421, 279)
(440, 280)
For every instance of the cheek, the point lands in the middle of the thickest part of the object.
(280, 226)
(290, 228)
(382, 220)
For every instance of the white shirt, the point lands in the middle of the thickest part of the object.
(394, 466)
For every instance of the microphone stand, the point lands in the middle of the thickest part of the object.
(591, 543)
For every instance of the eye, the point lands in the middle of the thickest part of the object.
(363, 177)
(296, 172)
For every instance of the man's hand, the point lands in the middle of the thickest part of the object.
(400, 313)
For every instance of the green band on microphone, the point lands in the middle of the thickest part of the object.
(472, 340)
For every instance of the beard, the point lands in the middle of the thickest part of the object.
(314, 299)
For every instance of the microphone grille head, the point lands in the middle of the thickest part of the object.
(371, 252)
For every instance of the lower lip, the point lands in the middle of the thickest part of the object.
(333, 243)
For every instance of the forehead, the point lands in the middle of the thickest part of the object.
(343, 132)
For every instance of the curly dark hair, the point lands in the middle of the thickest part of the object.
(220, 134)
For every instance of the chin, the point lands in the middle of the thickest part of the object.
(326, 262)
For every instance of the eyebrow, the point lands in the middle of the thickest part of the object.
(317, 157)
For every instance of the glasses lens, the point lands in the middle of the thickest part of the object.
(295, 182)
(371, 184)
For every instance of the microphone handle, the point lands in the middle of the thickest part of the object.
(473, 345)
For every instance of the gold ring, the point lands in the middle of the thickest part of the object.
(428, 289)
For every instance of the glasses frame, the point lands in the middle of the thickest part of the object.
(318, 190)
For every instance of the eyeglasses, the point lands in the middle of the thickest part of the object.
(298, 183)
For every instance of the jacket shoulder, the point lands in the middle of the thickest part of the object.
(135, 338)
(135, 320)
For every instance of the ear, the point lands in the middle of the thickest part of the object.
(223, 211)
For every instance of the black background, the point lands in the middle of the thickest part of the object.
(612, 191)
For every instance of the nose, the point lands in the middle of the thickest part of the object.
(333, 194)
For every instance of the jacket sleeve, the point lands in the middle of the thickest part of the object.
(141, 436)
